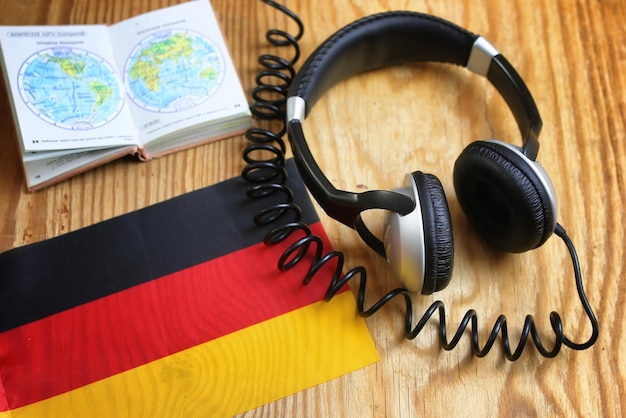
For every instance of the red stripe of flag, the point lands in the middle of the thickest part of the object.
(150, 321)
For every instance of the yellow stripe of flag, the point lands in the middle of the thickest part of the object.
(231, 374)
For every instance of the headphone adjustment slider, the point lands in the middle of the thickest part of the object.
(481, 56)
(296, 109)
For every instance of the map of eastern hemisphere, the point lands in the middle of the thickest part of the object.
(173, 70)
(70, 88)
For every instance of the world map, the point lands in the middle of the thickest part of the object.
(173, 70)
(70, 88)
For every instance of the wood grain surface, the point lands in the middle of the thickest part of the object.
(367, 133)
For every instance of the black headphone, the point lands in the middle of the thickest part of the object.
(503, 190)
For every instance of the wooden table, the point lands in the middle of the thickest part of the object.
(371, 130)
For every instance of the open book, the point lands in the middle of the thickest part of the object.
(83, 95)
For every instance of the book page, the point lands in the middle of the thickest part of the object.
(65, 90)
(44, 171)
(176, 69)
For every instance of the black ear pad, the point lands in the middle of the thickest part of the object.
(503, 197)
(438, 238)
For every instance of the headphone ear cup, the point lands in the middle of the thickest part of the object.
(438, 237)
(509, 201)
(419, 245)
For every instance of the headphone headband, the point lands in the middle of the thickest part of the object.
(379, 41)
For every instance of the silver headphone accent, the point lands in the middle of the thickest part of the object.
(403, 238)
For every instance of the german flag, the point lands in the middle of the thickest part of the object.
(177, 309)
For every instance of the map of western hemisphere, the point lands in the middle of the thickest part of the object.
(173, 70)
(70, 88)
